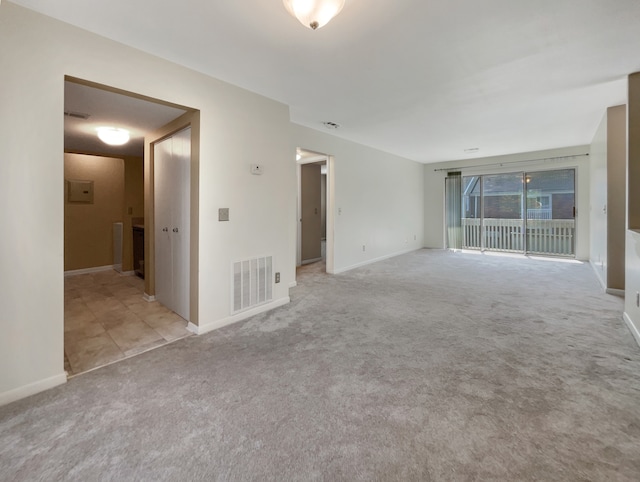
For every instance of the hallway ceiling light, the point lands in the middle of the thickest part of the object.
(114, 136)
(314, 14)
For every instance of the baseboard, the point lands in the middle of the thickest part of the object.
(598, 271)
(375, 260)
(214, 325)
(309, 261)
(128, 273)
(632, 328)
(97, 269)
(293, 284)
(148, 298)
(32, 388)
(615, 292)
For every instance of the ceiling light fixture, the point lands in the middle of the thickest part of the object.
(314, 14)
(114, 136)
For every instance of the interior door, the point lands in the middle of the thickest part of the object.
(181, 222)
(162, 188)
(172, 163)
(311, 232)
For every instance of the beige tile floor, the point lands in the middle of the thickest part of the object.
(106, 319)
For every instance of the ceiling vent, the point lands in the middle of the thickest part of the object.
(331, 125)
(76, 115)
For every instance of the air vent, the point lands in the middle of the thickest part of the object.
(331, 125)
(76, 115)
(252, 283)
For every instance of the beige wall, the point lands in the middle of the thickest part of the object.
(133, 205)
(608, 173)
(616, 198)
(88, 228)
(632, 247)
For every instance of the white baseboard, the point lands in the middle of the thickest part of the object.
(32, 388)
(97, 269)
(632, 328)
(128, 273)
(293, 284)
(148, 298)
(309, 261)
(375, 260)
(598, 271)
(615, 292)
(214, 325)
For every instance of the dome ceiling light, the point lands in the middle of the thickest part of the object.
(314, 14)
(114, 136)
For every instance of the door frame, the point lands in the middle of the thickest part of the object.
(330, 199)
(190, 119)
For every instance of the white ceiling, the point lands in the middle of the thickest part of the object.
(110, 109)
(423, 79)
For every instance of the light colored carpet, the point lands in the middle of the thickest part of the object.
(428, 366)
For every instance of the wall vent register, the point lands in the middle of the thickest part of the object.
(252, 283)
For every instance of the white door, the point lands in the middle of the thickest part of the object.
(172, 168)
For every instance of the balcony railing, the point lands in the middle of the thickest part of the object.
(543, 236)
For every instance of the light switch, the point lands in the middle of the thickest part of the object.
(223, 214)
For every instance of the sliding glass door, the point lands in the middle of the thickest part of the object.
(502, 219)
(551, 223)
(520, 212)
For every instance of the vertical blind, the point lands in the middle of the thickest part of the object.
(453, 208)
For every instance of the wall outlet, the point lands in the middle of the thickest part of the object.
(223, 214)
(278, 277)
(638, 299)
(364, 248)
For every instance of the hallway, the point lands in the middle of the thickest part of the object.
(106, 320)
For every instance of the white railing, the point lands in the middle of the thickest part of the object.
(543, 236)
(539, 213)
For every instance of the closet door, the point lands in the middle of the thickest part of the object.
(162, 187)
(172, 178)
(181, 226)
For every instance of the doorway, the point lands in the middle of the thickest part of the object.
(107, 317)
(315, 210)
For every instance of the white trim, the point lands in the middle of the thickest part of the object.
(214, 325)
(598, 271)
(309, 261)
(375, 260)
(32, 388)
(632, 328)
(97, 269)
(293, 284)
(615, 292)
(128, 273)
(148, 298)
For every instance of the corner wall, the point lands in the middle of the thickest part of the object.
(88, 228)
(632, 248)
(237, 128)
(378, 199)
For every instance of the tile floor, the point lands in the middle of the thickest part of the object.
(106, 319)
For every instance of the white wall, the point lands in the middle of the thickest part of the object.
(237, 128)
(434, 187)
(598, 202)
(378, 199)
